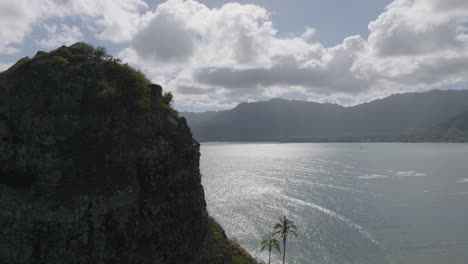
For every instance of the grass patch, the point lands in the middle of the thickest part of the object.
(221, 247)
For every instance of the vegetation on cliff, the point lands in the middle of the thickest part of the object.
(220, 249)
(109, 85)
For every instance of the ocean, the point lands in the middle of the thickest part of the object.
(352, 202)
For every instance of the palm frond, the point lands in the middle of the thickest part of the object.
(275, 244)
(278, 226)
(264, 244)
(277, 232)
(293, 232)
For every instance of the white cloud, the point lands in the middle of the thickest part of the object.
(237, 32)
(331, 73)
(166, 38)
(58, 35)
(5, 66)
(412, 27)
(309, 33)
(420, 44)
(17, 19)
(115, 21)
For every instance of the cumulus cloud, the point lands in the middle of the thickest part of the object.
(450, 5)
(415, 27)
(332, 75)
(309, 33)
(165, 39)
(178, 29)
(114, 21)
(445, 70)
(17, 19)
(58, 35)
(110, 20)
(420, 43)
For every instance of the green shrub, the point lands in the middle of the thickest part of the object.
(168, 98)
(59, 61)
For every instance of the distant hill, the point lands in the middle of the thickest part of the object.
(455, 129)
(379, 120)
(458, 122)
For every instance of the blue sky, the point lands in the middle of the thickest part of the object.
(215, 54)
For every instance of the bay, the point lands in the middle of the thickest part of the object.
(353, 202)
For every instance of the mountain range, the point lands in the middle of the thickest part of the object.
(429, 116)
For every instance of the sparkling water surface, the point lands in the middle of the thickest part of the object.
(353, 202)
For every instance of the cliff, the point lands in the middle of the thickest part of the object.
(96, 167)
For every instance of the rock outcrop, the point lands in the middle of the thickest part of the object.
(96, 167)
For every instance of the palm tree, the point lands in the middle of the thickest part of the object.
(284, 227)
(271, 243)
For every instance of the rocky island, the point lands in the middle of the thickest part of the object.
(97, 167)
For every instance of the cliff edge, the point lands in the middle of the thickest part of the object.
(96, 167)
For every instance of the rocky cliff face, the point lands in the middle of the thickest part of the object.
(96, 167)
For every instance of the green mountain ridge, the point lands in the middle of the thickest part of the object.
(398, 117)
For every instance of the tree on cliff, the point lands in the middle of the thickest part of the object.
(271, 243)
(283, 228)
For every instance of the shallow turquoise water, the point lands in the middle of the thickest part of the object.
(354, 203)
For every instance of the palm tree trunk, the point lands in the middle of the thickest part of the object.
(284, 249)
(269, 256)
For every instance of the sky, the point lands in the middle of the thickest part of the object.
(214, 54)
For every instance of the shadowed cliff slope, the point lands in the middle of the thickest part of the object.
(96, 167)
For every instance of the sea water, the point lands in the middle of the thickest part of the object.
(352, 202)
